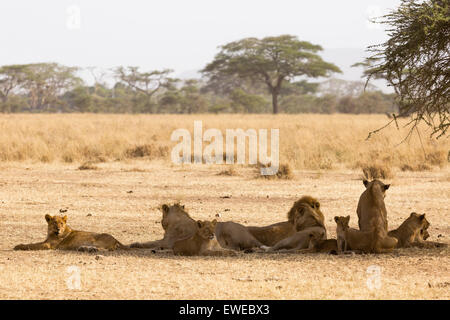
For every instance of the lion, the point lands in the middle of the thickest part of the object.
(413, 233)
(272, 234)
(201, 243)
(371, 209)
(306, 223)
(372, 241)
(178, 225)
(60, 236)
(235, 236)
(318, 245)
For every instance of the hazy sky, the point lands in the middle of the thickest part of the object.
(179, 34)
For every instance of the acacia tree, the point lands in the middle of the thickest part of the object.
(146, 83)
(271, 60)
(415, 61)
(46, 82)
(11, 78)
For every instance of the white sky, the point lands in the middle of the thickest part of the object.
(178, 34)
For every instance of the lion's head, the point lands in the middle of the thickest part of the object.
(376, 185)
(315, 238)
(206, 229)
(306, 213)
(56, 225)
(342, 222)
(418, 221)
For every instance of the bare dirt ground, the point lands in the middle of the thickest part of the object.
(101, 201)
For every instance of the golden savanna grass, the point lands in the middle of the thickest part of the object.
(306, 141)
(112, 173)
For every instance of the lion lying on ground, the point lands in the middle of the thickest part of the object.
(201, 243)
(318, 245)
(178, 225)
(272, 234)
(60, 236)
(373, 241)
(413, 233)
(307, 223)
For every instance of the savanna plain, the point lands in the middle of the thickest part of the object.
(113, 172)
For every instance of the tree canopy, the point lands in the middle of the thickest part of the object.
(271, 60)
(415, 61)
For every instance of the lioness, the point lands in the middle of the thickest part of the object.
(413, 233)
(178, 225)
(371, 208)
(270, 235)
(201, 243)
(306, 222)
(61, 236)
(372, 241)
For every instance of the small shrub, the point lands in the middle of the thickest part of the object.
(230, 171)
(140, 151)
(88, 166)
(284, 172)
(377, 171)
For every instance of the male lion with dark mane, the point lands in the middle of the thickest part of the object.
(60, 236)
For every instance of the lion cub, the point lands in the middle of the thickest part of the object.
(318, 245)
(413, 232)
(201, 243)
(61, 236)
(365, 241)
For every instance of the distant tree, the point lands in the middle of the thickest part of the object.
(145, 83)
(415, 61)
(46, 82)
(271, 60)
(187, 99)
(11, 77)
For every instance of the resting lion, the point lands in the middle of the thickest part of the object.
(306, 223)
(270, 235)
(371, 208)
(318, 245)
(178, 225)
(60, 236)
(413, 233)
(201, 243)
(373, 241)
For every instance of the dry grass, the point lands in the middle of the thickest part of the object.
(377, 171)
(88, 166)
(306, 141)
(284, 172)
(99, 201)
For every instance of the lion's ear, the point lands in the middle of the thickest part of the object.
(386, 186)
(422, 216)
(65, 218)
(317, 205)
(365, 182)
(336, 218)
(199, 223)
(165, 208)
(48, 217)
(214, 222)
